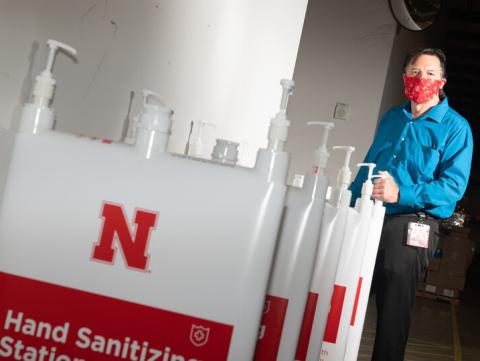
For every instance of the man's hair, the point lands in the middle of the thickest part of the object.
(414, 54)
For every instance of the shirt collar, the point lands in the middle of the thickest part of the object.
(436, 113)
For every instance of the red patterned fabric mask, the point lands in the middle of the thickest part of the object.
(421, 90)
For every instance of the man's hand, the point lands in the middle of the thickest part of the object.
(386, 190)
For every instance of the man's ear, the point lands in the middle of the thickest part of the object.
(444, 81)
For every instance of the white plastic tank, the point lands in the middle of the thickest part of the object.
(294, 260)
(326, 261)
(129, 255)
(365, 281)
(344, 301)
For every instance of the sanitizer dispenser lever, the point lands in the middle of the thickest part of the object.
(278, 132)
(321, 154)
(344, 176)
(37, 116)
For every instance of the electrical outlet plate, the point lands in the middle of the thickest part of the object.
(342, 111)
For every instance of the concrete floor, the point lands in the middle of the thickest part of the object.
(439, 331)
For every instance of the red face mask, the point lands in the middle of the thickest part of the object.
(421, 90)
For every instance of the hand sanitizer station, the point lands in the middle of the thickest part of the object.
(111, 250)
(147, 251)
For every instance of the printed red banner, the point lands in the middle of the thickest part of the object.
(357, 298)
(307, 325)
(335, 314)
(44, 322)
(271, 328)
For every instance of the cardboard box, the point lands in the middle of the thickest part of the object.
(443, 279)
(473, 246)
(456, 255)
(459, 231)
(434, 264)
(438, 290)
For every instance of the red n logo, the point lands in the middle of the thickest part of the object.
(116, 228)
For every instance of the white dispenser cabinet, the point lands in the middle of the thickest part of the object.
(118, 256)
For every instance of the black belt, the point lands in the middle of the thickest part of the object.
(419, 214)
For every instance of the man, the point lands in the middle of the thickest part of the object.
(424, 150)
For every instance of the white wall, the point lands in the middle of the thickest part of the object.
(343, 57)
(212, 60)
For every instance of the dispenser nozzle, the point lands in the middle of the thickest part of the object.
(348, 149)
(201, 125)
(278, 131)
(44, 87)
(198, 142)
(148, 94)
(370, 166)
(288, 86)
(321, 154)
(344, 175)
(54, 45)
(367, 187)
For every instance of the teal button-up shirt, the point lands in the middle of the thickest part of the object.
(429, 158)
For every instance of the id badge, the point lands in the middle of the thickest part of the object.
(417, 234)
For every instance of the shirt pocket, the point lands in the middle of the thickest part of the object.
(423, 162)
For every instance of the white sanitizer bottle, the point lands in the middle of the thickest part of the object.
(326, 260)
(294, 260)
(153, 127)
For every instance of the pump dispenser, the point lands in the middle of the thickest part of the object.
(367, 188)
(365, 277)
(278, 132)
(37, 116)
(298, 180)
(277, 136)
(344, 176)
(225, 152)
(349, 280)
(198, 145)
(294, 259)
(321, 154)
(326, 259)
(153, 127)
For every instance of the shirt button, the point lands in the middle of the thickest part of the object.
(403, 139)
(394, 156)
(411, 122)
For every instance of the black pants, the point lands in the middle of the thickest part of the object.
(397, 270)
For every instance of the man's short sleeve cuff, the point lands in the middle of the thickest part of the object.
(406, 196)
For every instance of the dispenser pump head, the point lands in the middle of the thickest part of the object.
(148, 94)
(288, 86)
(198, 139)
(278, 132)
(344, 174)
(45, 83)
(367, 187)
(155, 116)
(321, 154)
(202, 124)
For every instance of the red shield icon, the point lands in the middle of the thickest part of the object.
(199, 335)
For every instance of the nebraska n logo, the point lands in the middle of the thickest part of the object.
(116, 230)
